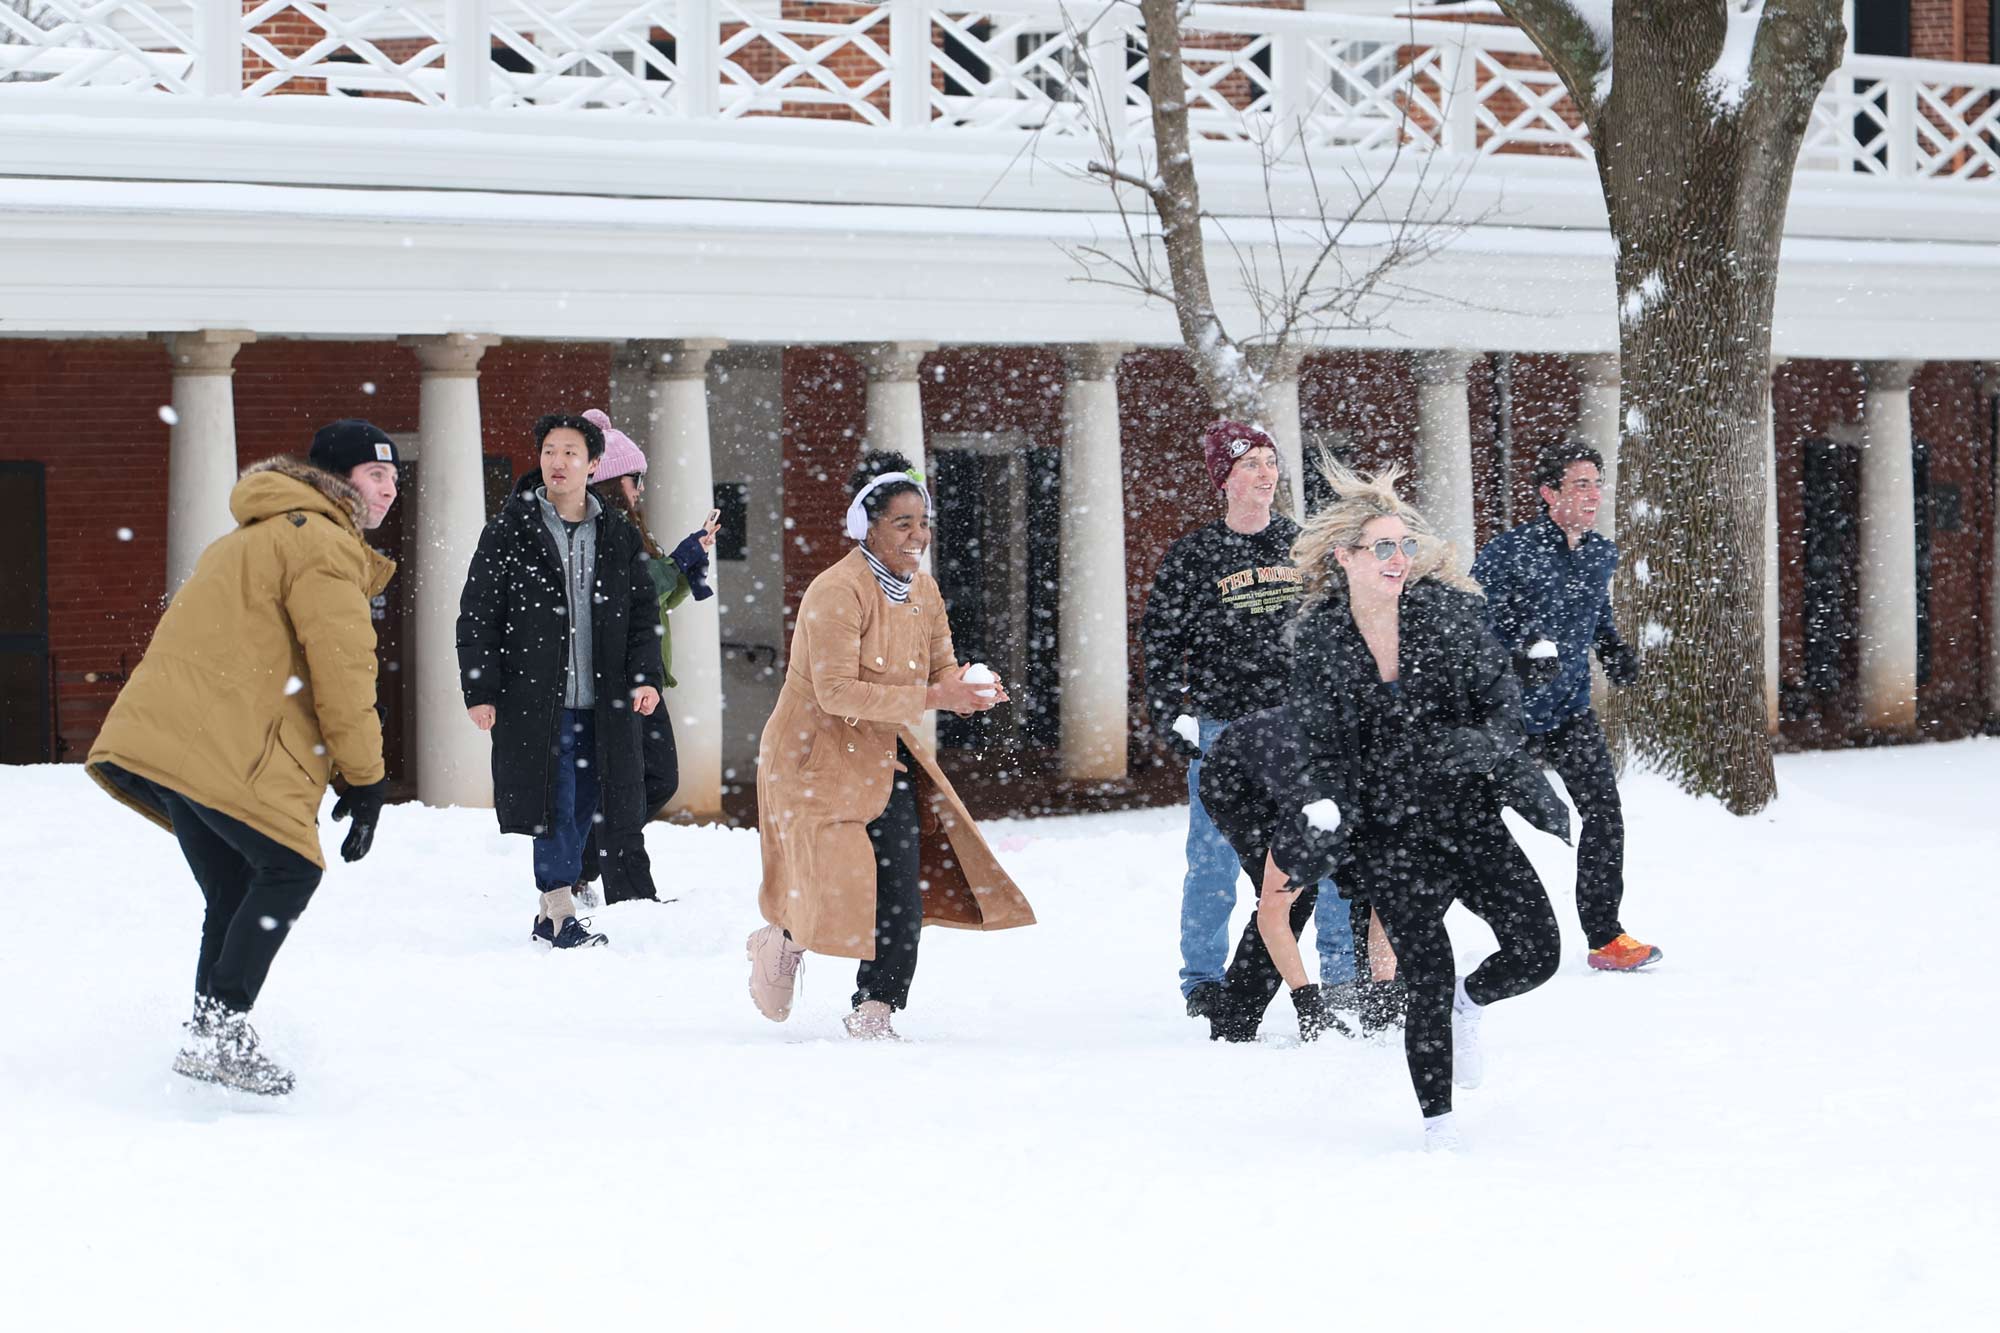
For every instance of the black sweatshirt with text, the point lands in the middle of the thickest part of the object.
(1215, 622)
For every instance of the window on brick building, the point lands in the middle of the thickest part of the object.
(995, 557)
(25, 733)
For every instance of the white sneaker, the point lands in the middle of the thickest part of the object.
(774, 971)
(1440, 1134)
(1468, 1061)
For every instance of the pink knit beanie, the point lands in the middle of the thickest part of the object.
(622, 458)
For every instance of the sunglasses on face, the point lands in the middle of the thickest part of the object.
(1388, 547)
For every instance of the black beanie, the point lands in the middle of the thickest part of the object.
(341, 446)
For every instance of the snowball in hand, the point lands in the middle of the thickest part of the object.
(981, 674)
(1322, 814)
(1541, 648)
(1187, 729)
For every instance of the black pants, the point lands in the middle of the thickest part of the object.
(1577, 752)
(256, 889)
(899, 895)
(619, 854)
(1252, 979)
(1410, 879)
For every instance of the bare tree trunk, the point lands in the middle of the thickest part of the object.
(1225, 375)
(1696, 183)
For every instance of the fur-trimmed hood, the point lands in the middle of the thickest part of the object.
(283, 485)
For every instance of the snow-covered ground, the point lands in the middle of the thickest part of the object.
(1791, 1124)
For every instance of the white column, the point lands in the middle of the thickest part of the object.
(1094, 640)
(453, 763)
(680, 490)
(1444, 446)
(1279, 372)
(895, 402)
(1597, 426)
(896, 422)
(201, 445)
(1888, 551)
(1773, 621)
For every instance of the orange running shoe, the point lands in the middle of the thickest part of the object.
(1624, 954)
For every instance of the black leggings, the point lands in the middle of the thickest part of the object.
(1410, 879)
(899, 895)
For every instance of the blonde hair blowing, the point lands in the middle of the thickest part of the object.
(1359, 500)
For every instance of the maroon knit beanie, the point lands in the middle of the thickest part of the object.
(1227, 441)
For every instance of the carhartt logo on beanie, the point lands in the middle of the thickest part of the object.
(341, 446)
(1227, 441)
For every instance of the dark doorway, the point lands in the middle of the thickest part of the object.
(995, 553)
(1824, 699)
(25, 733)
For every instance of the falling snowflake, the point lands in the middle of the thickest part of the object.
(124, 534)
(293, 685)
(168, 415)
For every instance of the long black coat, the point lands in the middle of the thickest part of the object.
(1443, 753)
(512, 641)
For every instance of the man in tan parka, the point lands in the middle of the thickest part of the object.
(258, 686)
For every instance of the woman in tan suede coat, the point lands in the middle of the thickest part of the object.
(864, 840)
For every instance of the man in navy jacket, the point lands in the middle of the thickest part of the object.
(1548, 598)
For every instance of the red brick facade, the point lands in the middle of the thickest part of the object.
(106, 469)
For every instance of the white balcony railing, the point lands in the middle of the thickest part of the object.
(917, 68)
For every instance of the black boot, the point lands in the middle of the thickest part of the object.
(1229, 1021)
(1382, 1004)
(1204, 999)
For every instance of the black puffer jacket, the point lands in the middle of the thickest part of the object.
(1442, 750)
(512, 653)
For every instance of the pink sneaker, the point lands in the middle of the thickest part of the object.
(774, 971)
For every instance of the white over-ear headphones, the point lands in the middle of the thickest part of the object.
(857, 516)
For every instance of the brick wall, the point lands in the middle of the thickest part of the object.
(89, 411)
(106, 467)
(1951, 417)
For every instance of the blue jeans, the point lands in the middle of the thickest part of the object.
(572, 800)
(1208, 896)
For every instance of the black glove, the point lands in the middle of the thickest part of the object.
(1621, 664)
(1535, 672)
(365, 805)
(692, 559)
(1316, 1016)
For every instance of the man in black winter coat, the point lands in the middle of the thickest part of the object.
(1548, 599)
(559, 657)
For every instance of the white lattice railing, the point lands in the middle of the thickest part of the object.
(1064, 71)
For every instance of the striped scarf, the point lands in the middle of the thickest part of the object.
(895, 589)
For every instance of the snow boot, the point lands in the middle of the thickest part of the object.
(1316, 1015)
(199, 1057)
(1204, 1000)
(870, 1022)
(1468, 1060)
(222, 1048)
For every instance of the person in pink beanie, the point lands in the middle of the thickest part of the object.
(619, 854)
